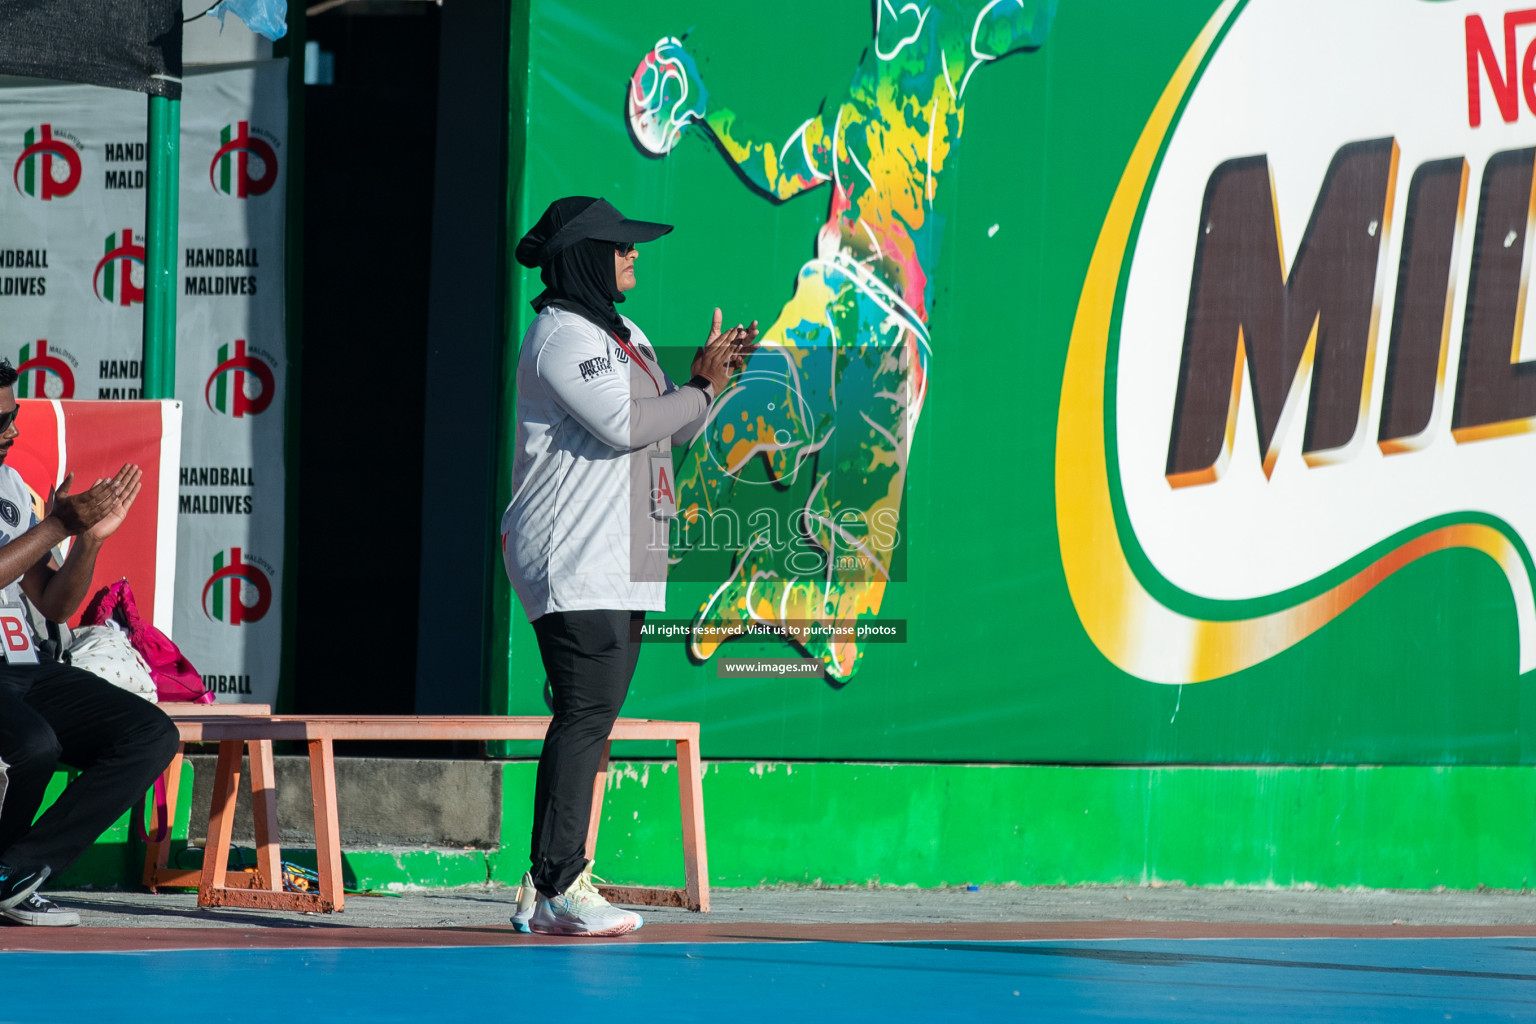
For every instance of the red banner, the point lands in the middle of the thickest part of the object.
(92, 440)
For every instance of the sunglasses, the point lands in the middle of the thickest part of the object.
(624, 248)
(7, 418)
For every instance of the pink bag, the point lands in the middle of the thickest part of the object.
(175, 678)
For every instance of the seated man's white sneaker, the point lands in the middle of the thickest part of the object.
(38, 909)
(581, 911)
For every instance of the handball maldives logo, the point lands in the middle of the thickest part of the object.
(49, 165)
(41, 373)
(113, 279)
(227, 389)
(245, 164)
(239, 591)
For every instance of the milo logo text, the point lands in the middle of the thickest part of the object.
(1321, 321)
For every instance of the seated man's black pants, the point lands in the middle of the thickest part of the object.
(56, 713)
(589, 657)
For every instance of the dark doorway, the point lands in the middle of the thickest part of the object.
(370, 140)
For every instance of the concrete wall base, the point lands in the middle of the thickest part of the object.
(382, 802)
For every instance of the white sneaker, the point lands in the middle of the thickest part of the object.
(581, 911)
(527, 897)
(40, 910)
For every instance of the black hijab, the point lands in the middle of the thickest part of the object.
(581, 280)
(573, 246)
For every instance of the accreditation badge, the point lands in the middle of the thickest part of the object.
(16, 637)
(663, 487)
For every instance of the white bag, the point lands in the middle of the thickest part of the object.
(105, 651)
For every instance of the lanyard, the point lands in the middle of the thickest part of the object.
(636, 357)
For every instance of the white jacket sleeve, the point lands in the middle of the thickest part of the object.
(574, 365)
(684, 435)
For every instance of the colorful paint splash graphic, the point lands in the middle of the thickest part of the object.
(832, 397)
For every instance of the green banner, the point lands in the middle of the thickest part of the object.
(1139, 383)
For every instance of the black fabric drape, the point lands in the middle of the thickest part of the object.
(121, 44)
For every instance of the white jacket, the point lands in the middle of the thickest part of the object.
(579, 533)
(16, 518)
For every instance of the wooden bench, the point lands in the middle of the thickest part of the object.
(263, 889)
(157, 870)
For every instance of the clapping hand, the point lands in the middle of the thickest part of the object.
(126, 488)
(99, 511)
(724, 352)
(78, 513)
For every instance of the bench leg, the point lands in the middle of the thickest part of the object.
(269, 859)
(322, 783)
(221, 820)
(157, 856)
(599, 785)
(264, 890)
(690, 791)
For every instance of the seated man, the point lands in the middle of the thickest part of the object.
(52, 712)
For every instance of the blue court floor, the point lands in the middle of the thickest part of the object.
(1247, 980)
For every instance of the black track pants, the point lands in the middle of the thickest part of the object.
(120, 742)
(590, 659)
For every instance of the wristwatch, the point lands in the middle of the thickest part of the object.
(701, 382)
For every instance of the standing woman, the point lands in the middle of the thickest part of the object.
(596, 419)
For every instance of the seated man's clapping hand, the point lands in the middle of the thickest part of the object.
(125, 487)
(98, 511)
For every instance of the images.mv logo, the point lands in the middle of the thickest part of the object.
(43, 157)
(233, 581)
(226, 392)
(34, 368)
(230, 173)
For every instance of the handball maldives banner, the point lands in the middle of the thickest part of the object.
(71, 320)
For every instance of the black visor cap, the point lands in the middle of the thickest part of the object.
(562, 226)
